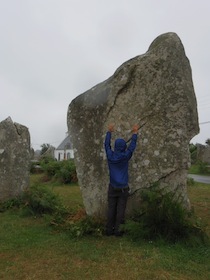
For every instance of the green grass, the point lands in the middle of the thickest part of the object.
(70, 193)
(30, 249)
(194, 169)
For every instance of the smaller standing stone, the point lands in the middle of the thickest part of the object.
(14, 159)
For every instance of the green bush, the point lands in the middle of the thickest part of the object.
(10, 203)
(65, 170)
(202, 167)
(193, 153)
(35, 168)
(85, 226)
(51, 167)
(39, 200)
(161, 216)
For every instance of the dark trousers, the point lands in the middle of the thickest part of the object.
(117, 200)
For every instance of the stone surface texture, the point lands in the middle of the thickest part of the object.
(154, 90)
(14, 159)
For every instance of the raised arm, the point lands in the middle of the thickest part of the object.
(107, 143)
(132, 144)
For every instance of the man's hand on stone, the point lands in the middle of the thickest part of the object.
(135, 128)
(111, 127)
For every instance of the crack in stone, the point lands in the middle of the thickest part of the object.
(163, 177)
(168, 174)
(16, 128)
(121, 90)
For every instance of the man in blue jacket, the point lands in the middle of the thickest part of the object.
(118, 173)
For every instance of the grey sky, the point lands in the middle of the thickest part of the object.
(53, 50)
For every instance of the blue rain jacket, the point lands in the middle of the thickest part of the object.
(118, 159)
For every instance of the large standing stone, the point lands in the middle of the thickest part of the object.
(154, 90)
(14, 159)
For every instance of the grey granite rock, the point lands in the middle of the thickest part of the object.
(14, 159)
(154, 90)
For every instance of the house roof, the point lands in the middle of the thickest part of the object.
(65, 144)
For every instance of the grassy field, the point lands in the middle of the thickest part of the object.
(30, 249)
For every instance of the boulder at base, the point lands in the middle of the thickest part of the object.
(14, 159)
(154, 90)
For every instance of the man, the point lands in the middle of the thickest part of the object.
(118, 173)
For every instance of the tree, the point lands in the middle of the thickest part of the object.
(44, 147)
(193, 152)
(208, 142)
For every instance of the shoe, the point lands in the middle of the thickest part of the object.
(119, 233)
(109, 233)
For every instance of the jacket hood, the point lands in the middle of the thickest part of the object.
(120, 145)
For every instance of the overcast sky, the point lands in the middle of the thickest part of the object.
(53, 50)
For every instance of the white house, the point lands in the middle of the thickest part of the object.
(64, 150)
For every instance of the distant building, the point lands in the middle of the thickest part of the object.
(64, 150)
